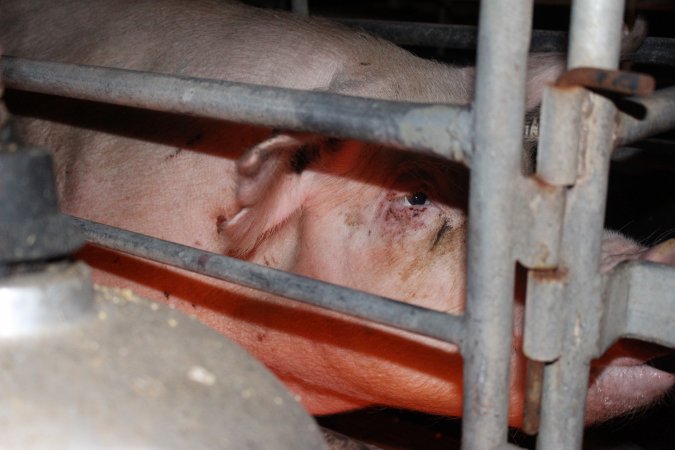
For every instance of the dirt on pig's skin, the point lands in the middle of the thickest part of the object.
(351, 213)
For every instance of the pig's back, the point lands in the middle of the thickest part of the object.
(225, 40)
(199, 38)
(137, 165)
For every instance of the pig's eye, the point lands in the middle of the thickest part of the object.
(416, 199)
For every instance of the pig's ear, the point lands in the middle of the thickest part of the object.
(633, 37)
(269, 188)
(542, 69)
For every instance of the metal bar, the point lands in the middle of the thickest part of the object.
(533, 379)
(651, 310)
(594, 41)
(595, 34)
(300, 7)
(639, 302)
(614, 81)
(440, 129)
(657, 116)
(654, 50)
(460, 37)
(560, 128)
(499, 110)
(423, 321)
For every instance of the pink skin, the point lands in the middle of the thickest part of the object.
(621, 382)
(349, 217)
(338, 222)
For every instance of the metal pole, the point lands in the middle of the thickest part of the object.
(300, 7)
(423, 321)
(659, 117)
(654, 50)
(442, 129)
(503, 41)
(594, 42)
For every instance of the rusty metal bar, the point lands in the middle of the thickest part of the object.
(617, 81)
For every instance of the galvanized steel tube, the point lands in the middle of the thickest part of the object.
(659, 109)
(595, 36)
(423, 321)
(595, 33)
(499, 109)
(566, 380)
(654, 50)
(441, 129)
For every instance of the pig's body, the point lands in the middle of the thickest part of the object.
(346, 212)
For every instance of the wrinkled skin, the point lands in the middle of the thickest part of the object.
(360, 215)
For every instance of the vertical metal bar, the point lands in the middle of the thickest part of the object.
(594, 41)
(595, 33)
(503, 40)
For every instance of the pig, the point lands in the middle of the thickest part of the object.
(357, 214)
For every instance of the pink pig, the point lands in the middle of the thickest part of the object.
(356, 214)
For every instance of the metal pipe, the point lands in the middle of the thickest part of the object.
(440, 129)
(423, 321)
(654, 50)
(300, 7)
(458, 37)
(503, 41)
(639, 304)
(657, 116)
(595, 35)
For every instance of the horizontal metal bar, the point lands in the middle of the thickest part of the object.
(440, 129)
(658, 115)
(458, 37)
(653, 50)
(423, 321)
(651, 305)
(640, 304)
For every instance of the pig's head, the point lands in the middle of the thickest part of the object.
(394, 224)
(383, 221)
(375, 219)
